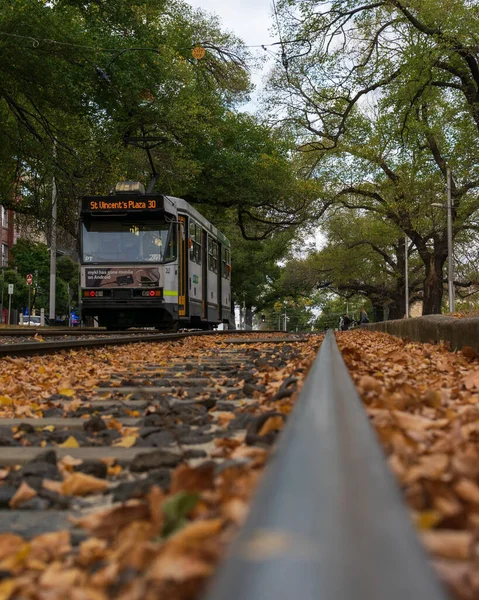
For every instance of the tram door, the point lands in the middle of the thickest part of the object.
(204, 275)
(182, 266)
(220, 267)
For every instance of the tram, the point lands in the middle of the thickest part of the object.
(150, 260)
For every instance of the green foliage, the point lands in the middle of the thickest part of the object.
(383, 99)
(176, 509)
(335, 307)
(80, 79)
(29, 257)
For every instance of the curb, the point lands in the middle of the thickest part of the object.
(433, 329)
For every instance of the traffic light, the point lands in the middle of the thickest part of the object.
(263, 318)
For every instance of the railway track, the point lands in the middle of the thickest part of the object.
(36, 343)
(196, 415)
(165, 409)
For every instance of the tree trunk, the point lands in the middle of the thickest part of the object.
(397, 307)
(433, 285)
(378, 312)
(248, 318)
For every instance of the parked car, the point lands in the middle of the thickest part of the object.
(35, 321)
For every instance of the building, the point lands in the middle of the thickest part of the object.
(8, 234)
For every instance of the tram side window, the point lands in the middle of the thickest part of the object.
(212, 255)
(226, 260)
(195, 242)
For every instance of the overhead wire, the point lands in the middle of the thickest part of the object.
(36, 42)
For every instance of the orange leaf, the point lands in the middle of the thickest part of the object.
(194, 534)
(53, 486)
(196, 479)
(467, 490)
(178, 568)
(272, 424)
(24, 493)
(81, 484)
(471, 381)
(9, 544)
(448, 543)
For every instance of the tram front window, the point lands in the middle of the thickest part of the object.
(119, 241)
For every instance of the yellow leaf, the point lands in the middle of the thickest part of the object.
(69, 443)
(18, 559)
(427, 519)
(43, 443)
(6, 401)
(127, 442)
(66, 392)
(41, 370)
(49, 428)
(6, 588)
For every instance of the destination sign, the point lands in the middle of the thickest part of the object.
(116, 204)
(123, 205)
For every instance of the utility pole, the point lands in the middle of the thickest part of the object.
(69, 312)
(450, 261)
(406, 274)
(1, 293)
(53, 247)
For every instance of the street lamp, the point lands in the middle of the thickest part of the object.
(450, 265)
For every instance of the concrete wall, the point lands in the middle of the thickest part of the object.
(434, 328)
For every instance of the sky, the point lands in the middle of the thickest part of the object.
(250, 20)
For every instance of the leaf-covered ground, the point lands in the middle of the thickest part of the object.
(165, 543)
(424, 404)
(422, 400)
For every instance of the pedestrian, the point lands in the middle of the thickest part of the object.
(363, 316)
(346, 322)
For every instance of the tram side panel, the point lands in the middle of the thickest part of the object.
(226, 285)
(194, 270)
(212, 275)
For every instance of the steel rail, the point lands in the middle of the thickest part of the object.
(24, 331)
(33, 348)
(328, 521)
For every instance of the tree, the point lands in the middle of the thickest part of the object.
(383, 99)
(28, 257)
(362, 257)
(96, 92)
